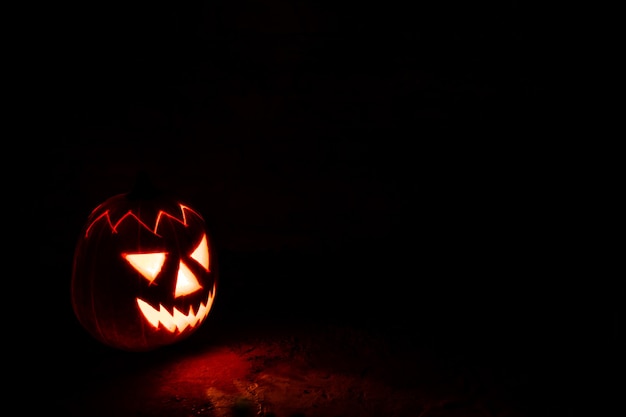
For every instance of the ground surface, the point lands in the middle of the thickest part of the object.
(311, 371)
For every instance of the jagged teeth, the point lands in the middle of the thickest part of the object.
(177, 320)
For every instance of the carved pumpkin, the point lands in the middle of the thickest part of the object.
(143, 273)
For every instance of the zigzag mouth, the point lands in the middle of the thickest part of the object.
(176, 320)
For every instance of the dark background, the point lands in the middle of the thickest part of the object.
(423, 169)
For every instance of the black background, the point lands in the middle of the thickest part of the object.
(423, 169)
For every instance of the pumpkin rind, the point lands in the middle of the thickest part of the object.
(108, 291)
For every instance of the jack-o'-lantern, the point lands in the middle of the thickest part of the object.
(144, 272)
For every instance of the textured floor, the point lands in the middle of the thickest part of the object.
(317, 370)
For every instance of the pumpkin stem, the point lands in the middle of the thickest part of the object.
(144, 187)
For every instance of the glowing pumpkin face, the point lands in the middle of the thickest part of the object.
(144, 273)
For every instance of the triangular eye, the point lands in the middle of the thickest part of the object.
(186, 282)
(148, 264)
(201, 253)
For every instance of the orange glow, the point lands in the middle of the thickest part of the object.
(186, 281)
(177, 320)
(147, 264)
(130, 214)
(201, 253)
